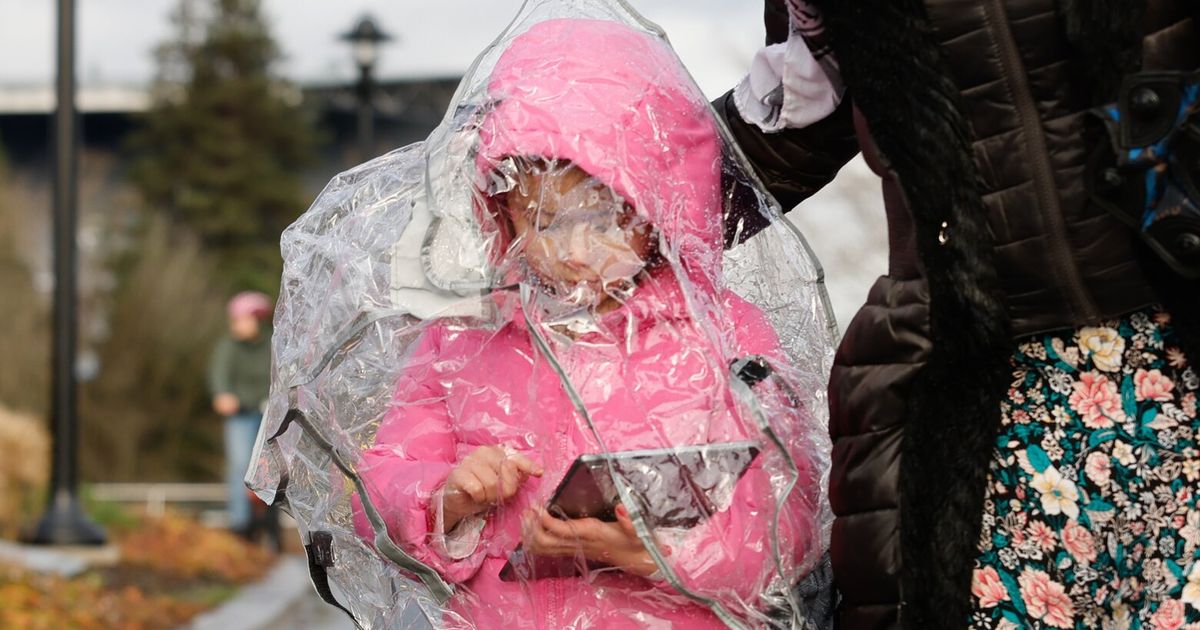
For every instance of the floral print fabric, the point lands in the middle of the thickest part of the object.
(1090, 516)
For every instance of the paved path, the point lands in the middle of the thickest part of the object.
(324, 617)
(284, 600)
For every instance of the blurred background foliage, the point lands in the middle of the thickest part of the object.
(222, 148)
(190, 213)
(171, 569)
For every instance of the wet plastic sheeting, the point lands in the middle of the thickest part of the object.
(554, 308)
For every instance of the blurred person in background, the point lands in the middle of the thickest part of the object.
(239, 377)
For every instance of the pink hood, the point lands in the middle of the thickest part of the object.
(617, 103)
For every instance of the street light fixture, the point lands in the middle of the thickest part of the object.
(365, 39)
(65, 522)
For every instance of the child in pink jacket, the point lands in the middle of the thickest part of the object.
(599, 169)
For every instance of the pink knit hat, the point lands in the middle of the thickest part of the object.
(251, 303)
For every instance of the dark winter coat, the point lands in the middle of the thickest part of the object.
(242, 368)
(973, 113)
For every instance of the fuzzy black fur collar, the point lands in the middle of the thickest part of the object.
(895, 74)
(1106, 36)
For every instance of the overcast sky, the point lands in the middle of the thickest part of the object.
(715, 38)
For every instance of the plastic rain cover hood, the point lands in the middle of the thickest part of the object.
(562, 364)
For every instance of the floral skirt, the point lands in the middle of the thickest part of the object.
(1091, 515)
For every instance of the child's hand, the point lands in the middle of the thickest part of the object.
(487, 477)
(615, 544)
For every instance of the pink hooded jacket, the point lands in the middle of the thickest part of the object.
(617, 104)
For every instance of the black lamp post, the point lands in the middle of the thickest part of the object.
(365, 39)
(64, 522)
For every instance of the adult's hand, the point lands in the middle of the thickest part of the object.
(616, 544)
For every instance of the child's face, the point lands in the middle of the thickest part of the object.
(576, 234)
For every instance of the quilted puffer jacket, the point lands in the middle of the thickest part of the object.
(973, 112)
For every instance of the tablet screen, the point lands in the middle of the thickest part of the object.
(676, 487)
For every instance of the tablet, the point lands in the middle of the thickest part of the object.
(676, 487)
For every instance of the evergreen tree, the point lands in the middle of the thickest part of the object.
(222, 146)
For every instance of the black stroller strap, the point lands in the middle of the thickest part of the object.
(320, 558)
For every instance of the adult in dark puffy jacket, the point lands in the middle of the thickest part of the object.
(1014, 408)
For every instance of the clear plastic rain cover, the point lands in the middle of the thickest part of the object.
(535, 372)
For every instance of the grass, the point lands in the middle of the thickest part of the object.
(208, 596)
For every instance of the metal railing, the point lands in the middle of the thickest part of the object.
(155, 496)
